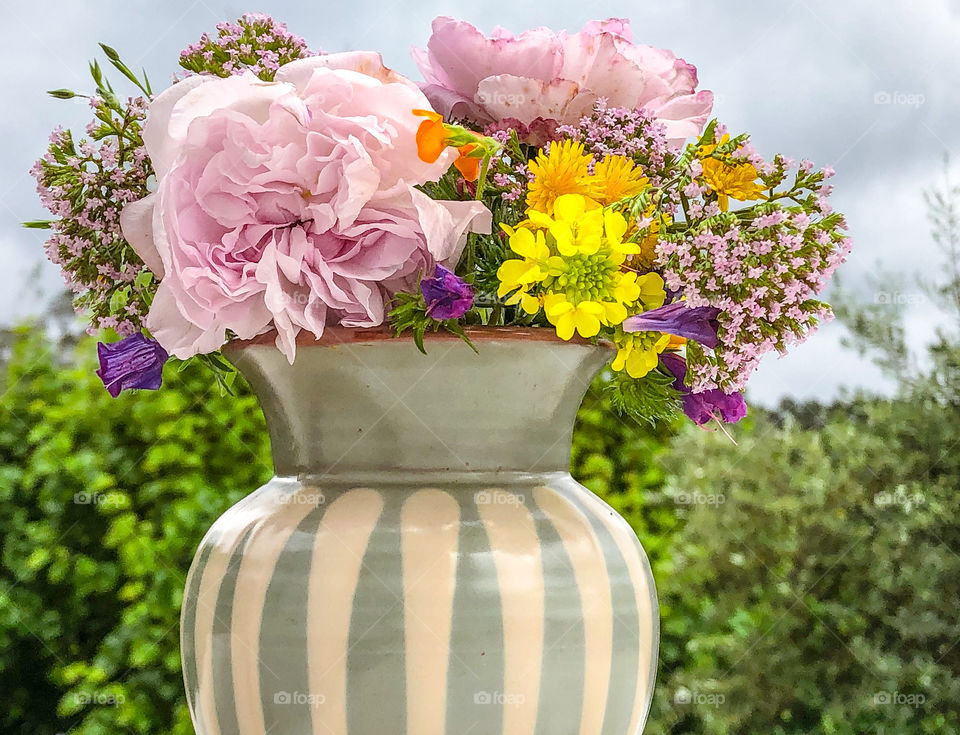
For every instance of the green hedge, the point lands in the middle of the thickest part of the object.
(102, 504)
(805, 577)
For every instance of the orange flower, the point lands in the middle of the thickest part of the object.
(468, 166)
(431, 136)
(434, 136)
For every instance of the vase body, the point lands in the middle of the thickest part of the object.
(422, 563)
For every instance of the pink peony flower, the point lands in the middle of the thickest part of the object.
(289, 204)
(541, 76)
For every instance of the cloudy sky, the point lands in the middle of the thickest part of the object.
(868, 88)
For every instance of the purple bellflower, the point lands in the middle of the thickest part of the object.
(698, 323)
(703, 407)
(447, 295)
(133, 362)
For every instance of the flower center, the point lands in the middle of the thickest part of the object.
(587, 277)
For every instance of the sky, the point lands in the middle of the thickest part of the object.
(868, 88)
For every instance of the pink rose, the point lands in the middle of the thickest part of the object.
(541, 76)
(289, 204)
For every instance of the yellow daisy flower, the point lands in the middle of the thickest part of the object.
(730, 181)
(615, 178)
(562, 169)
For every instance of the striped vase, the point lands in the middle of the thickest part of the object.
(422, 563)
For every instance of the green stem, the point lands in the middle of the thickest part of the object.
(482, 180)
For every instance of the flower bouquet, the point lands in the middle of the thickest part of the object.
(554, 200)
(570, 182)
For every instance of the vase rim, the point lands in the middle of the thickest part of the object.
(333, 336)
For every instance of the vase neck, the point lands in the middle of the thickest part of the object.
(357, 407)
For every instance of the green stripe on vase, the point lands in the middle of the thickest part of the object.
(476, 674)
(626, 650)
(221, 642)
(561, 689)
(376, 692)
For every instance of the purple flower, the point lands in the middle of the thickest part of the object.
(448, 296)
(697, 323)
(707, 405)
(133, 362)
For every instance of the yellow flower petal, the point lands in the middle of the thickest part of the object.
(615, 226)
(587, 324)
(569, 207)
(614, 312)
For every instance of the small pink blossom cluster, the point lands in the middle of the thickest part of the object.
(256, 42)
(86, 185)
(764, 274)
(511, 174)
(619, 131)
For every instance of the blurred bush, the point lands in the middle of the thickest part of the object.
(815, 577)
(808, 578)
(102, 505)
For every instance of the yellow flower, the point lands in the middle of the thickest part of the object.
(730, 181)
(562, 169)
(571, 266)
(578, 226)
(518, 274)
(652, 291)
(615, 178)
(638, 352)
(584, 317)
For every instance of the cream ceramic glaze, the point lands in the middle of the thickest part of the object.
(422, 563)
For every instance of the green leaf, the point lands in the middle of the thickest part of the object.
(144, 279)
(119, 300)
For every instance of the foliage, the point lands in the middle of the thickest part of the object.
(814, 578)
(102, 504)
